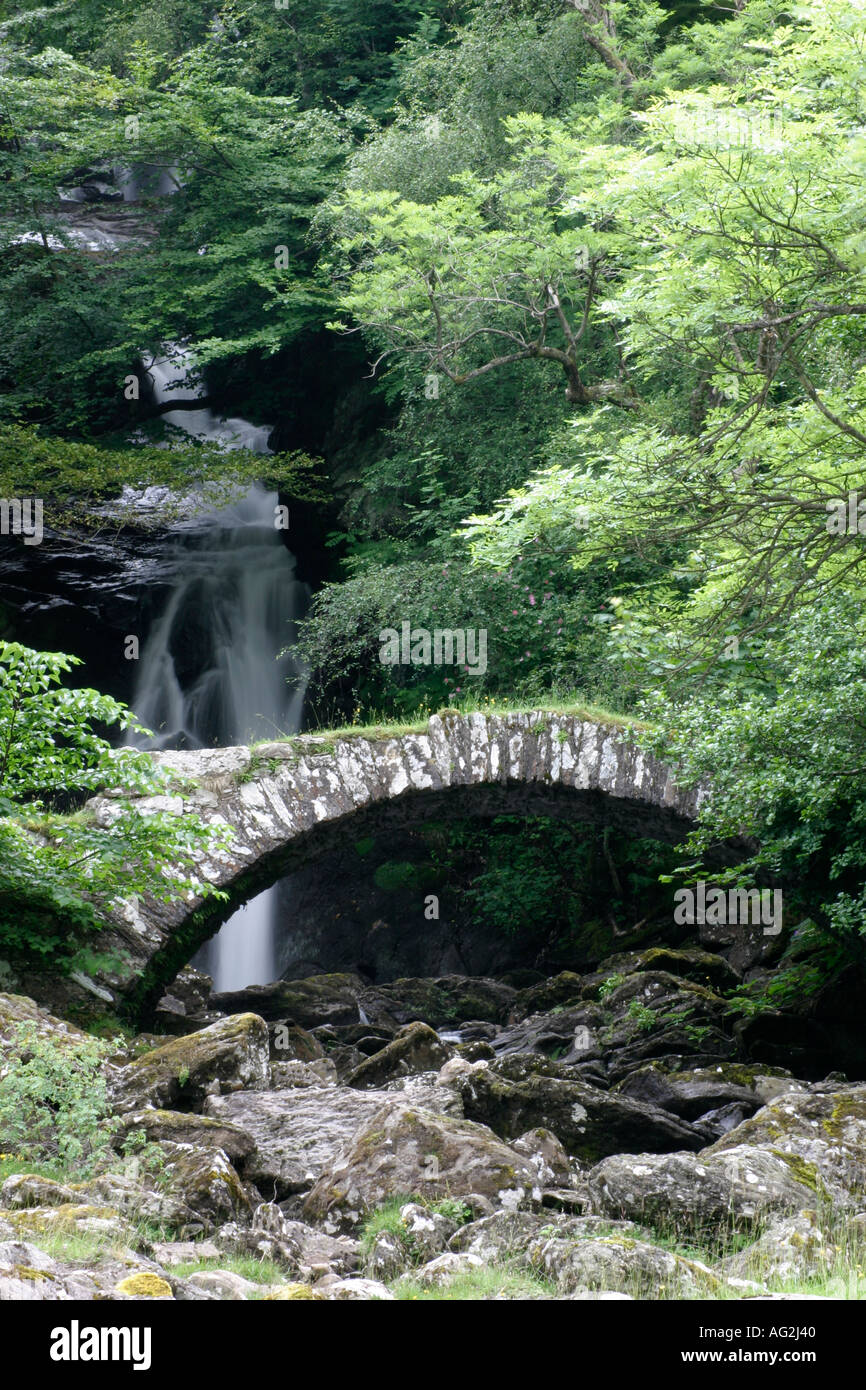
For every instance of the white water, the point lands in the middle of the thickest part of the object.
(209, 673)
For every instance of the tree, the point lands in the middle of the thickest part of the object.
(503, 270)
(744, 293)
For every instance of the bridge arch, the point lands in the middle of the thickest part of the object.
(291, 801)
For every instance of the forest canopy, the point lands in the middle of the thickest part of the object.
(565, 299)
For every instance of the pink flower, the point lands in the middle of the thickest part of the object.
(532, 598)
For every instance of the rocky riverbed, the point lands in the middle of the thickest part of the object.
(582, 1137)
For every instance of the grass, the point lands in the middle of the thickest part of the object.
(494, 1281)
(12, 1165)
(387, 1218)
(73, 1246)
(844, 1278)
(247, 1266)
(385, 727)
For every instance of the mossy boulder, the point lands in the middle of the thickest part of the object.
(820, 1131)
(415, 1049)
(16, 1009)
(448, 999)
(180, 1127)
(31, 1190)
(708, 1193)
(298, 1134)
(519, 1093)
(305, 1003)
(622, 1265)
(564, 988)
(687, 1094)
(291, 1293)
(701, 967)
(405, 1148)
(208, 1185)
(791, 1249)
(229, 1055)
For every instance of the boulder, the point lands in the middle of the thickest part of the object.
(320, 1254)
(540, 998)
(547, 1156)
(403, 1148)
(791, 1248)
(28, 1275)
(701, 967)
(178, 1127)
(180, 1252)
(387, 1257)
(351, 1290)
(619, 1264)
(710, 1193)
(507, 1235)
(290, 1043)
(230, 1055)
(224, 1284)
(76, 1218)
(427, 1232)
(416, 1048)
(687, 1094)
(16, 1009)
(207, 1183)
(820, 1134)
(444, 1001)
(297, 1134)
(269, 1236)
(655, 1015)
(305, 1003)
(436, 1273)
(570, 1035)
(515, 1094)
(30, 1190)
(285, 1075)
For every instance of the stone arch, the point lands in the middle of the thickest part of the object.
(288, 802)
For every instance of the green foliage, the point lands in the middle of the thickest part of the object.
(48, 740)
(53, 1101)
(550, 882)
(786, 770)
(60, 871)
(75, 480)
(644, 1019)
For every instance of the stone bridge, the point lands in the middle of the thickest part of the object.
(288, 802)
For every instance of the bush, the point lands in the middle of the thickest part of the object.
(53, 1100)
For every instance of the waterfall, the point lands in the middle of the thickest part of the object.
(209, 673)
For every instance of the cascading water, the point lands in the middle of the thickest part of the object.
(210, 672)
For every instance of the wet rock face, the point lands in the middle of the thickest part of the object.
(101, 586)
